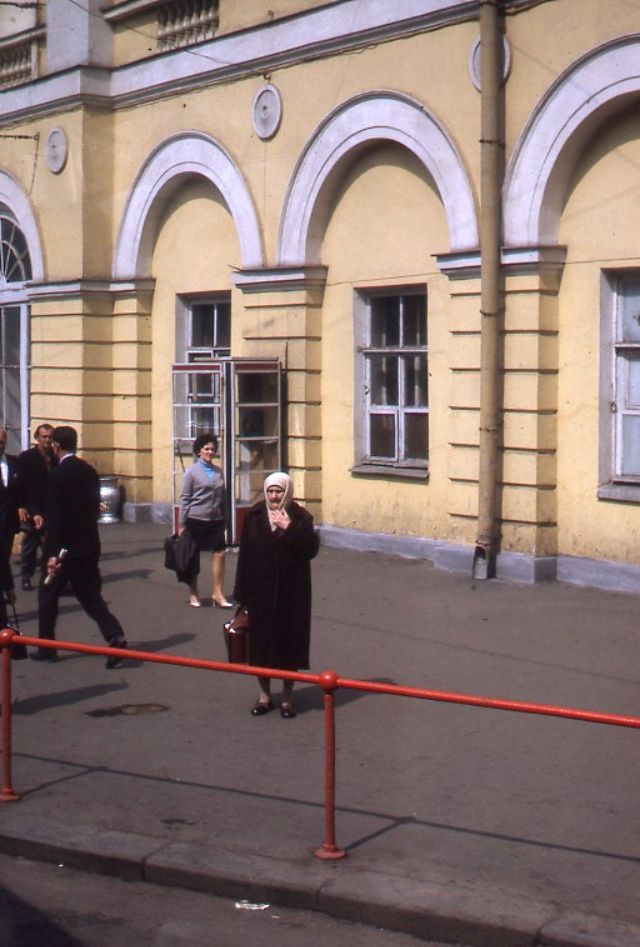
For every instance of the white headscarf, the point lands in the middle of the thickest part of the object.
(284, 481)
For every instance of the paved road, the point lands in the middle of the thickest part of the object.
(458, 822)
(54, 906)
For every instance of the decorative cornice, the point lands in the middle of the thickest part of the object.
(309, 35)
(464, 264)
(523, 260)
(280, 278)
(515, 261)
(73, 289)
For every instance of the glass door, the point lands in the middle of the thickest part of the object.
(198, 408)
(238, 400)
(257, 440)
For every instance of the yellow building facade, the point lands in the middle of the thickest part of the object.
(301, 182)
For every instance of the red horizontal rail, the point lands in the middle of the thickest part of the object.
(329, 681)
(421, 693)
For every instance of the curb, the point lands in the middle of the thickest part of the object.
(435, 912)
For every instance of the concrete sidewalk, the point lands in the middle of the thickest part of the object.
(461, 824)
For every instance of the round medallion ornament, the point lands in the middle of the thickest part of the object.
(474, 62)
(267, 112)
(57, 149)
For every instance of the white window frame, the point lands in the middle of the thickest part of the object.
(615, 353)
(185, 350)
(365, 461)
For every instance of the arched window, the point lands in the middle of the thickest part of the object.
(15, 270)
(15, 264)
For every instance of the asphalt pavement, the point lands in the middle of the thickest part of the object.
(460, 824)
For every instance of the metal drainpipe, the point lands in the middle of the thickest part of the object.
(491, 147)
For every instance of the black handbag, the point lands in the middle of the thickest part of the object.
(236, 637)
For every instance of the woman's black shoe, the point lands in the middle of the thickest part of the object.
(260, 709)
(288, 712)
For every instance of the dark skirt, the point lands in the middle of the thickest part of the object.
(208, 536)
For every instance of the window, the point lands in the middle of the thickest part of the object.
(392, 424)
(15, 269)
(620, 390)
(209, 329)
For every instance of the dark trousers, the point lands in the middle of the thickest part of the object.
(84, 577)
(32, 541)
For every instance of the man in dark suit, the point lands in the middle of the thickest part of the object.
(9, 523)
(71, 524)
(33, 469)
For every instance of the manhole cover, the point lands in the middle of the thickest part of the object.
(127, 709)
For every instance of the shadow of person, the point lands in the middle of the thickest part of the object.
(33, 705)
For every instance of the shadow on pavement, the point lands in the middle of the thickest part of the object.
(34, 705)
(23, 925)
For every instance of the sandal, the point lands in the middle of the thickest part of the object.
(288, 712)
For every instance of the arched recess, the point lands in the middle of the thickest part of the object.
(582, 98)
(185, 154)
(13, 197)
(375, 116)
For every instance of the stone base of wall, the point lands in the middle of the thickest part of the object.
(515, 567)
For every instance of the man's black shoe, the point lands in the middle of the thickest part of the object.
(26, 584)
(42, 655)
(116, 660)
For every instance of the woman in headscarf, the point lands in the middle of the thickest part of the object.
(273, 582)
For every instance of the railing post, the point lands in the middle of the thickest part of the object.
(329, 852)
(6, 792)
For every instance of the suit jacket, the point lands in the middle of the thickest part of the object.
(72, 510)
(9, 500)
(34, 472)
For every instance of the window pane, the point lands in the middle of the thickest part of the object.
(384, 379)
(630, 322)
(223, 326)
(633, 380)
(257, 387)
(385, 321)
(383, 435)
(630, 446)
(205, 421)
(202, 326)
(415, 381)
(416, 436)
(414, 321)
(258, 422)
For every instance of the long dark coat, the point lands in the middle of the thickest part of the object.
(273, 581)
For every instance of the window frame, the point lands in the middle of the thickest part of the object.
(185, 350)
(365, 461)
(614, 353)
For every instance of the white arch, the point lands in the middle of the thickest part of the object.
(12, 195)
(582, 97)
(375, 116)
(188, 153)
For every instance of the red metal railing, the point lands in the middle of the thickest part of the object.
(329, 681)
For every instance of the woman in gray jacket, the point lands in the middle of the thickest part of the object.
(202, 513)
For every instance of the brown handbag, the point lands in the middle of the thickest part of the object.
(236, 637)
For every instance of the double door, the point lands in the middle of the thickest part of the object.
(238, 400)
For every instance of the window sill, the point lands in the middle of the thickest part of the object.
(385, 470)
(624, 492)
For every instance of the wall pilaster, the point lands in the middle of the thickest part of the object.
(91, 368)
(529, 384)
